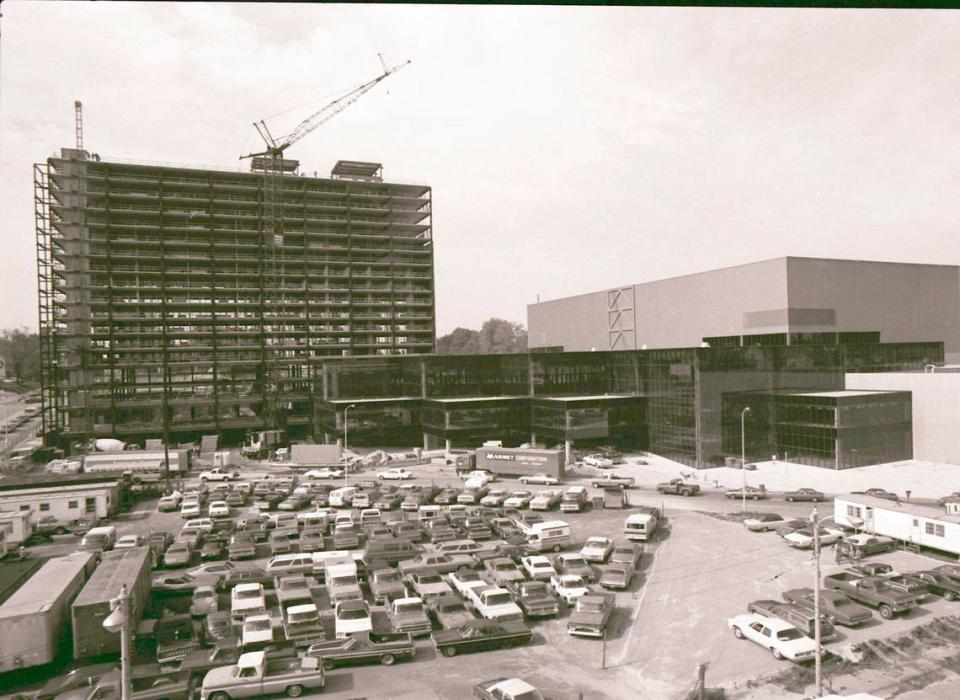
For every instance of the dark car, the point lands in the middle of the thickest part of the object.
(219, 625)
(936, 582)
(176, 637)
(213, 549)
(835, 605)
(235, 499)
(389, 501)
(481, 635)
(878, 493)
(447, 497)
(804, 495)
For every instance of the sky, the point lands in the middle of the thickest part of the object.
(569, 149)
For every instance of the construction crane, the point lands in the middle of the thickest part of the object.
(272, 164)
(276, 147)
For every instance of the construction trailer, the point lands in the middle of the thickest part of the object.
(35, 621)
(120, 567)
(315, 455)
(913, 525)
(510, 461)
(142, 465)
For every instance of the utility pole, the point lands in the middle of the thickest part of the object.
(743, 457)
(816, 602)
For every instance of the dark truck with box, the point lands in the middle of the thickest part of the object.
(872, 591)
(363, 647)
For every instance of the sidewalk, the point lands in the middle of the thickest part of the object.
(925, 480)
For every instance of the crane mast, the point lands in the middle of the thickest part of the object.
(272, 165)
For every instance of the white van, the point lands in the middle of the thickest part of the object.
(553, 534)
(640, 527)
(99, 538)
(342, 497)
(313, 519)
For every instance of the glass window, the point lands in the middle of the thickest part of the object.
(44, 506)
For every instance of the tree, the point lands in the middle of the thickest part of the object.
(496, 336)
(21, 351)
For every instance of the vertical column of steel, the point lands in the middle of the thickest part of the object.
(112, 353)
(307, 331)
(164, 336)
(266, 230)
(350, 265)
(46, 290)
(214, 348)
(433, 284)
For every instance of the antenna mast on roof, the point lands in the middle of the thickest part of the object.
(78, 122)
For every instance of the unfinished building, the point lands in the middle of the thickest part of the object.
(191, 300)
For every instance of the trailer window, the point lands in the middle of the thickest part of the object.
(854, 512)
(934, 529)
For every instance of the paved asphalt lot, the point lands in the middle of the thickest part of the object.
(701, 571)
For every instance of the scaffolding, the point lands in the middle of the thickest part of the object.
(46, 302)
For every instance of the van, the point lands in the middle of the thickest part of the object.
(99, 538)
(640, 527)
(319, 561)
(430, 513)
(389, 550)
(342, 497)
(314, 520)
(205, 524)
(284, 540)
(370, 516)
(574, 499)
(284, 564)
(281, 520)
(551, 535)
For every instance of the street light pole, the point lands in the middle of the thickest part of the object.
(346, 428)
(119, 620)
(816, 602)
(743, 456)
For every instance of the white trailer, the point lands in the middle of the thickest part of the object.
(917, 525)
(141, 464)
(35, 619)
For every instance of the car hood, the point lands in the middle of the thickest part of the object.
(582, 617)
(217, 677)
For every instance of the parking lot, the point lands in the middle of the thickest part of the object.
(700, 570)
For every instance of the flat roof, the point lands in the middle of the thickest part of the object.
(51, 580)
(15, 483)
(845, 393)
(596, 397)
(457, 399)
(118, 567)
(339, 402)
(929, 512)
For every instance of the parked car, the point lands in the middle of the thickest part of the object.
(173, 584)
(803, 539)
(782, 639)
(597, 549)
(804, 494)
(128, 541)
(518, 499)
(363, 647)
(506, 689)
(834, 604)
(219, 474)
(617, 576)
(575, 564)
(323, 473)
(936, 582)
(481, 635)
(569, 587)
(538, 567)
(219, 625)
(678, 487)
(627, 553)
(449, 611)
(541, 478)
(864, 545)
(219, 509)
(613, 481)
(204, 601)
(397, 474)
(591, 614)
(878, 493)
(178, 554)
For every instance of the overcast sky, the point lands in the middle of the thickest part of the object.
(569, 149)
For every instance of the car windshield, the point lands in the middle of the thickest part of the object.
(205, 594)
(246, 595)
(596, 542)
(452, 607)
(789, 634)
(302, 617)
(499, 599)
(409, 607)
(343, 580)
(575, 582)
(433, 578)
(504, 566)
(388, 577)
(590, 605)
(575, 561)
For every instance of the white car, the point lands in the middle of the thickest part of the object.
(219, 509)
(247, 598)
(541, 478)
(204, 524)
(463, 581)
(219, 474)
(597, 549)
(214, 568)
(395, 474)
(507, 689)
(782, 639)
(518, 499)
(257, 629)
(803, 539)
(538, 567)
(323, 473)
(569, 587)
(478, 474)
(190, 509)
(350, 617)
(128, 541)
(598, 462)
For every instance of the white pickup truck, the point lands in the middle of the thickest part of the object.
(494, 603)
(255, 675)
(219, 474)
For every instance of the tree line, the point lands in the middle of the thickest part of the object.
(20, 350)
(495, 336)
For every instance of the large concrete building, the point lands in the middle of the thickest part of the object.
(784, 301)
(196, 298)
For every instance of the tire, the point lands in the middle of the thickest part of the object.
(686, 492)
(949, 595)
(294, 691)
(789, 499)
(777, 655)
(387, 659)
(204, 479)
(738, 633)
(61, 531)
(755, 497)
(556, 548)
(449, 652)
(329, 664)
(885, 612)
(380, 477)
(219, 696)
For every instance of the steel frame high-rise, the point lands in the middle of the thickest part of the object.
(197, 297)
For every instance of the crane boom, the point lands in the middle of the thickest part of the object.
(276, 147)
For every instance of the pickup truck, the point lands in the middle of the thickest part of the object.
(386, 585)
(255, 674)
(678, 487)
(494, 603)
(896, 580)
(502, 570)
(362, 648)
(175, 637)
(481, 635)
(169, 686)
(293, 589)
(218, 474)
(591, 614)
(440, 563)
(613, 481)
(428, 585)
(872, 591)
(463, 581)
(792, 614)
(409, 615)
(534, 598)
(302, 624)
(546, 500)
(835, 605)
(449, 611)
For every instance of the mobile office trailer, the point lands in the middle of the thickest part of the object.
(142, 465)
(34, 621)
(520, 461)
(309, 456)
(916, 525)
(130, 567)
